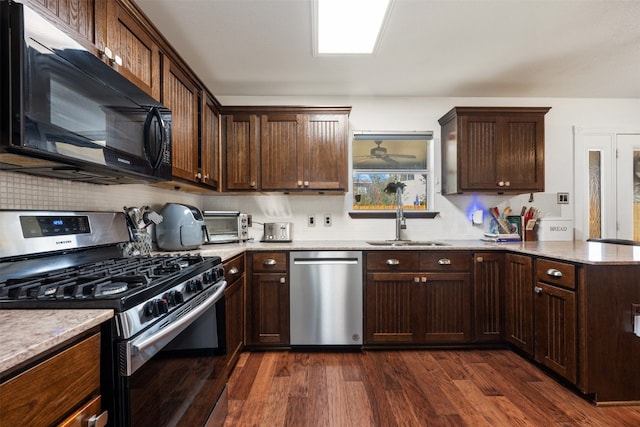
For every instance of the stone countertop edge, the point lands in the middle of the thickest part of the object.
(27, 334)
(572, 251)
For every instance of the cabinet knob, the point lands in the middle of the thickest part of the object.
(117, 60)
(479, 259)
(537, 289)
(423, 279)
(393, 261)
(252, 184)
(106, 53)
(283, 280)
(299, 183)
(500, 183)
(306, 183)
(270, 261)
(206, 177)
(507, 183)
(552, 272)
(198, 175)
(444, 261)
(416, 279)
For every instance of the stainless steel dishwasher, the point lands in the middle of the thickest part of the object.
(326, 298)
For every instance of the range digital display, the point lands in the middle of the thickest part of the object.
(44, 226)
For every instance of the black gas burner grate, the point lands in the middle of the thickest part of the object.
(101, 280)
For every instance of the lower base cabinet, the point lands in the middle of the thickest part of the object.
(61, 390)
(234, 306)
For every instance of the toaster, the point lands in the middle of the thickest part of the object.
(277, 232)
(181, 229)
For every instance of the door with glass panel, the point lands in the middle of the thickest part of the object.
(607, 185)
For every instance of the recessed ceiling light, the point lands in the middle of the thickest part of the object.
(348, 26)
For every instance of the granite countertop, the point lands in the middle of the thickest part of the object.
(26, 334)
(573, 251)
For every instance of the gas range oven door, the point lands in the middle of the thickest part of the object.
(176, 375)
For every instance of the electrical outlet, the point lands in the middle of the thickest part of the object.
(563, 198)
(311, 221)
(327, 220)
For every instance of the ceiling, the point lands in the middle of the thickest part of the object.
(429, 48)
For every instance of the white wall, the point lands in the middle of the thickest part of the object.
(394, 114)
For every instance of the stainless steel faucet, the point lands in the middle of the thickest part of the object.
(400, 219)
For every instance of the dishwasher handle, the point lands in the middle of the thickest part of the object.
(325, 261)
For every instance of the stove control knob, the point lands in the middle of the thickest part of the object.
(198, 285)
(207, 277)
(174, 297)
(156, 307)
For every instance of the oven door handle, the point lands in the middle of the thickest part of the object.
(149, 346)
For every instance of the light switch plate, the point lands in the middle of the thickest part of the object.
(563, 198)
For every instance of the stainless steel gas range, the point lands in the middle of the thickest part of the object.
(165, 349)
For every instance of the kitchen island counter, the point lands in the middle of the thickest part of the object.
(28, 334)
(573, 251)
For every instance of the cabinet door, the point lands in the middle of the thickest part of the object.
(280, 139)
(441, 307)
(488, 290)
(269, 309)
(209, 144)
(240, 161)
(139, 54)
(479, 152)
(519, 301)
(521, 160)
(388, 308)
(181, 95)
(83, 20)
(555, 329)
(324, 163)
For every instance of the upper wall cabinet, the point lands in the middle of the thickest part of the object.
(130, 49)
(291, 149)
(493, 150)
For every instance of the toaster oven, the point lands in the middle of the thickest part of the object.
(226, 226)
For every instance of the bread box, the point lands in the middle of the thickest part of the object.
(555, 229)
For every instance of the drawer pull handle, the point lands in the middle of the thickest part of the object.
(393, 261)
(98, 420)
(270, 261)
(552, 272)
(537, 289)
(234, 270)
(444, 261)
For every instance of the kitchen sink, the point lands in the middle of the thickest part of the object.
(406, 243)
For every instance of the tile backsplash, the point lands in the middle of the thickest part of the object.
(22, 191)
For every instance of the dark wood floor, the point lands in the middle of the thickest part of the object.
(407, 388)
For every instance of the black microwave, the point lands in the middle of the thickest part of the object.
(64, 113)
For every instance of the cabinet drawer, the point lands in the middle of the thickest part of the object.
(234, 268)
(269, 261)
(445, 261)
(392, 261)
(54, 388)
(556, 272)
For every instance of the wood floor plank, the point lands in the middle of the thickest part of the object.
(407, 388)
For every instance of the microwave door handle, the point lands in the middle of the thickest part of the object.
(156, 159)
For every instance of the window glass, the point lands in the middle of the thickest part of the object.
(380, 159)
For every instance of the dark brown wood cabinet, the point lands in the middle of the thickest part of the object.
(287, 149)
(61, 390)
(83, 20)
(518, 291)
(556, 317)
(488, 297)
(493, 149)
(210, 173)
(128, 39)
(418, 297)
(182, 95)
(235, 308)
(241, 151)
(268, 299)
